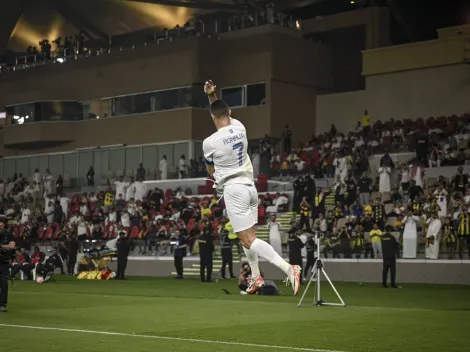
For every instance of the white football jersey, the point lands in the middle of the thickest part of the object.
(226, 149)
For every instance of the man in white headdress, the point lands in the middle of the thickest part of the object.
(410, 236)
(433, 237)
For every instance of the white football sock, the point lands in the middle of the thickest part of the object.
(266, 251)
(252, 258)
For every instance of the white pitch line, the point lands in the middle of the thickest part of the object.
(288, 348)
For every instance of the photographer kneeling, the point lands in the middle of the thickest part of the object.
(270, 288)
(7, 250)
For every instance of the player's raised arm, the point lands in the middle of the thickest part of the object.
(209, 89)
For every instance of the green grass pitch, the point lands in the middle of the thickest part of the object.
(147, 314)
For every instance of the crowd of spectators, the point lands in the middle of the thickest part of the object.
(435, 210)
(441, 141)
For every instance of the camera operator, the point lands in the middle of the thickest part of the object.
(7, 250)
(245, 275)
(269, 289)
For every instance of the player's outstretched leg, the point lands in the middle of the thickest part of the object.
(265, 250)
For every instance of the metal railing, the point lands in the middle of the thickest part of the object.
(200, 28)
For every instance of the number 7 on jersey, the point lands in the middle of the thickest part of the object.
(239, 147)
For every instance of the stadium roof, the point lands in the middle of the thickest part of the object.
(26, 22)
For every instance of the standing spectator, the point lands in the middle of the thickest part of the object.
(123, 246)
(179, 254)
(140, 190)
(226, 251)
(450, 238)
(463, 230)
(47, 182)
(295, 249)
(206, 250)
(299, 191)
(121, 186)
(59, 186)
(404, 178)
(341, 166)
(304, 218)
(375, 236)
(37, 177)
(163, 167)
(274, 228)
(339, 187)
(72, 252)
(366, 123)
(460, 181)
(422, 147)
(130, 191)
(384, 179)
(390, 249)
(90, 176)
(417, 174)
(410, 236)
(25, 214)
(287, 139)
(311, 192)
(351, 186)
(433, 237)
(365, 187)
(140, 175)
(183, 168)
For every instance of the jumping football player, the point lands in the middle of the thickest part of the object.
(227, 160)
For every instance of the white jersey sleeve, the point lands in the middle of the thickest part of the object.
(226, 150)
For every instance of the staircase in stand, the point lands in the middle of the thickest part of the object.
(194, 270)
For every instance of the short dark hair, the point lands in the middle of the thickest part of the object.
(219, 108)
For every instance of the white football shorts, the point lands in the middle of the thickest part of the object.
(241, 202)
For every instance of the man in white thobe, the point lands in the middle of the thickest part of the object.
(433, 237)
(47, 182)
(163, 167)
(121, 186)
(140, 190)
(410, 236)
(130, 191)
(384, 179)
(341, 165)
(274, 228)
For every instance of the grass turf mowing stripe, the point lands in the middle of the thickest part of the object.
(288, 348)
